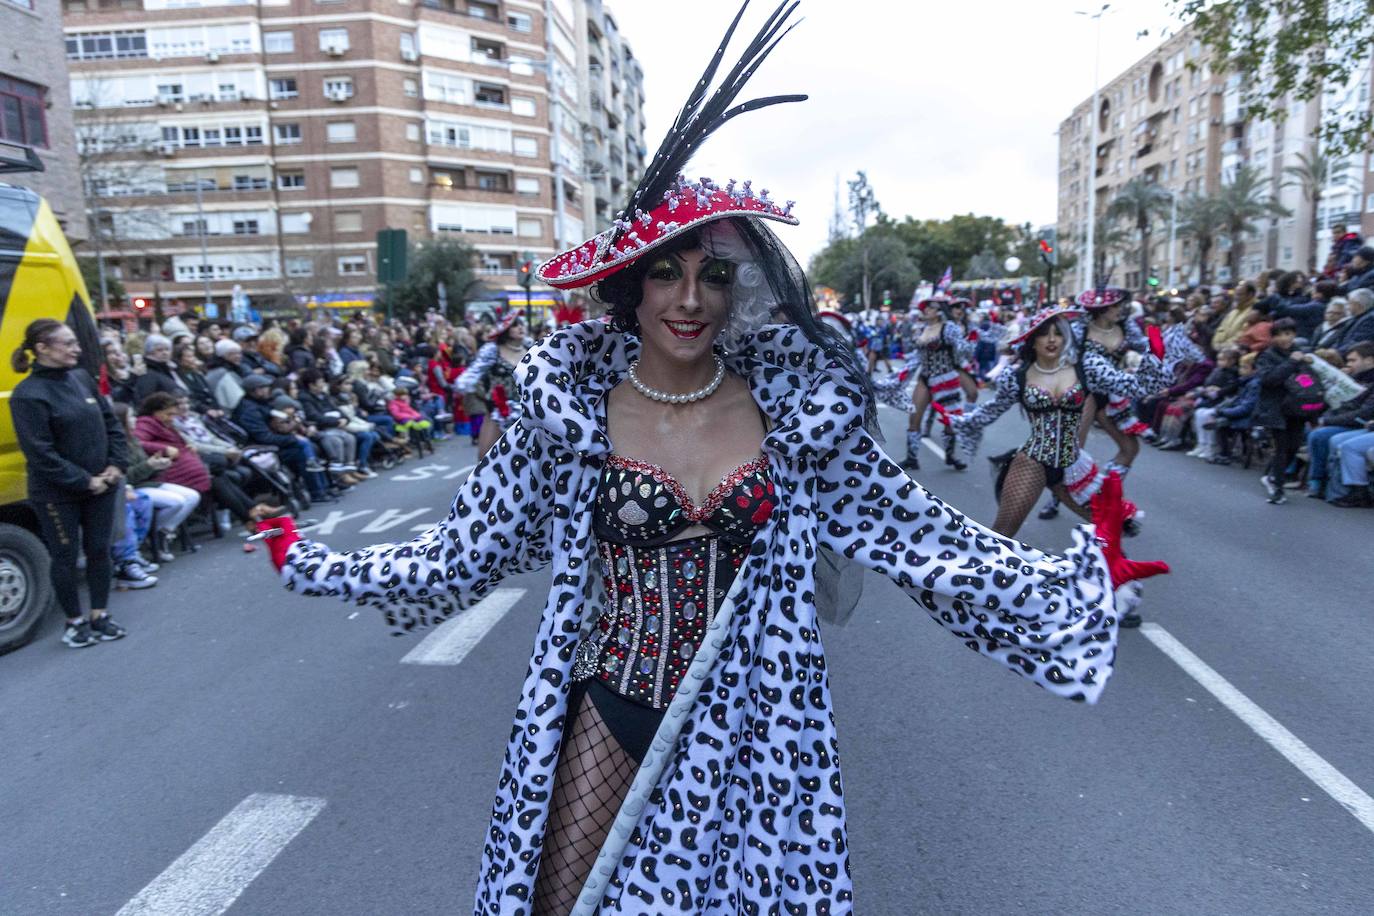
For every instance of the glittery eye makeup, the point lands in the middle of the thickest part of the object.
(665, 269)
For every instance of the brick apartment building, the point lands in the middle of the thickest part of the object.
(37, 114)
(1168, 118)
(262, 145)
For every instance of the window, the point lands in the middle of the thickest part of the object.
(348, 221)
(170, 92)
(245, 227)
(295, 223)
(352, 265)
(341, 132)
(123, 45)
(531, 228)
(526, 146)
(410, 88)
(417, 176)
(338, 88)
(408, 49)
(21, 113)
(527, 185)
(343, 177)
(493, 181)
(484, 50)
(519, 105)
(284, 88)
(285, 134)
(488, 96)
(279, 42)
(478, 9)
(447, 87)
(334, 41)
(413, 132)
(300, 267)
(291, 181)
(520, 22)
(442, 132)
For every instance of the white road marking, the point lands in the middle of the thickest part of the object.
(423, 472)
(461, 472)
(207, 878)
(390, 518)
(336, 518)
(929, 443)
(1327, 778)
(450, 642)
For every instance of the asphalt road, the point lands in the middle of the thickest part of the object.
(285, 736)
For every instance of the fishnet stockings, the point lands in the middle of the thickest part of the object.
(594, 775)
(1021, 488)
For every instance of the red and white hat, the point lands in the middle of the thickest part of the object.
(686, 206)
(1039, 318)
(1102, 297)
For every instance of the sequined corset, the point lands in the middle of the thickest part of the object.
(662, 594)
(937, 358)
(1117, 356)
(1054, 424)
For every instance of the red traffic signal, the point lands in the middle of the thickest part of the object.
(1045, 247)
(525, 267)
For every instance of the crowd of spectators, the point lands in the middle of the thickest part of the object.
(231, 423)
(1284, 376)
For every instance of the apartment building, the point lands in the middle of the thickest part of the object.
(37, 113)
(1170, 119)
(1160, 119)
(263, 144)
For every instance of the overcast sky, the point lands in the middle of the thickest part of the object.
(951, 107)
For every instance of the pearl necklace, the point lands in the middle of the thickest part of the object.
(665, 397)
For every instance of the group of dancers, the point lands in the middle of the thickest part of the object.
(697, 471)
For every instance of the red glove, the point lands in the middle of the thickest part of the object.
(941, 413)
(1156, 341)
(1109, 512)
(280, 541)
(498, 399)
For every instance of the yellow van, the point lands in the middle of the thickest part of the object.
(39, 278)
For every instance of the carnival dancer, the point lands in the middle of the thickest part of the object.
(679, 466)
(491, 376)
(1056, 389)
(1109, 334)
(942, 347)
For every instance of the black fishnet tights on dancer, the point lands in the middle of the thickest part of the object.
(1021, 487)
(594, 775)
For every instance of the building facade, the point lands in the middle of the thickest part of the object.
(1169, 119)
(263, 144)
(37, 116)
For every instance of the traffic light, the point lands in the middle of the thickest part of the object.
(526, 271)
(140, 304)
(887, 298)
(1153, 281)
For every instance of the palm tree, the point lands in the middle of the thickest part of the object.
(1200, 219)
(1243, 200)
(1109, 238)
(1139, 202)
(1312, 173)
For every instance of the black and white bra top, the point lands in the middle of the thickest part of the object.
(661, 593)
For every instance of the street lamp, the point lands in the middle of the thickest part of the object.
(1092, 139)
(1012, 265)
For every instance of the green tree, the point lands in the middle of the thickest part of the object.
(1139, 202)
(1311, 174)
(431, 262)
(841, 266)
(1243, 200)
(1281, 51)
(90, 272)
(1200, 218)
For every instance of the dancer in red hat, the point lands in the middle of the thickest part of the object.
(681, 467)
(491, 376)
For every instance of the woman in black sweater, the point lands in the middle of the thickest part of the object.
(75, 451)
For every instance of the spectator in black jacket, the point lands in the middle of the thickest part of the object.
(1352, 415)
(1275, 366)
(327, 421)
(1344, 244)
(254, 414)
(75, 454)
(189, 370)
(298, 354)
(1360, 326)
(247, 339)
(159, 374)
(1359, 272)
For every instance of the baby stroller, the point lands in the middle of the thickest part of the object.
(267, 476)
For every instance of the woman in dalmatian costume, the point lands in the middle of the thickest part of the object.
(491, 376)
(681, 469)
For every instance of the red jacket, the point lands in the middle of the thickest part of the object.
(403, 411)
(187, 469)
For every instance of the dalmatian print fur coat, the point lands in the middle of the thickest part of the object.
(738, 807)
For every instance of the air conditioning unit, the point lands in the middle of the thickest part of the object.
(409, 54)
(334, 50)
(212, 57)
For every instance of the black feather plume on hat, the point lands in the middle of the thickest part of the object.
(702, 116)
